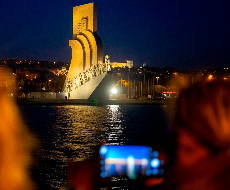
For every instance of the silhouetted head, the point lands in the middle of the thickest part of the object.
(202, 121)
(16, 142)
(199, 153)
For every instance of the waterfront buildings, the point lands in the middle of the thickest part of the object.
(128, 64)
(48, 76)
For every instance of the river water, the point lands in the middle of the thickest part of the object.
(72, 132)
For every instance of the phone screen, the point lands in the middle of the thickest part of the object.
(130, 161)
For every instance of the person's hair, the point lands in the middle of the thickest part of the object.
(204, 110)
(16, 142)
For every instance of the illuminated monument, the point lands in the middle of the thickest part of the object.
(87, 69)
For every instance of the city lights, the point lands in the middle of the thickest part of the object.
(114, 91)
(157, 79)
(210, 77)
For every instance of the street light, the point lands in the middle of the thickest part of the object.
(157, 79)
(210, 78)
(114, 90)
(114, 93)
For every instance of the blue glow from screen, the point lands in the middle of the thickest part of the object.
(148, 172)
(103, 174)
(103, 150)
(155, 154)
(138, 152)
(155, 163)
(102, 162)
(155, 171)
(126, 160)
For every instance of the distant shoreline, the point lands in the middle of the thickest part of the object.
(33, 102)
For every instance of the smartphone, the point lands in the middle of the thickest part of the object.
(130, 161)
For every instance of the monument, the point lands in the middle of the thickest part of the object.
(87, 69)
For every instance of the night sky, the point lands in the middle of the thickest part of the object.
(185, 34)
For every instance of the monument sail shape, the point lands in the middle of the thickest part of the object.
(87, 68)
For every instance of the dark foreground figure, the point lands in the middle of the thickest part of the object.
(16, 142)
(199, 156)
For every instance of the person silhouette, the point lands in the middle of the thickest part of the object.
(16, 142)
(199, 150)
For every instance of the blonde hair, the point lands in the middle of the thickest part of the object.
(16, 143)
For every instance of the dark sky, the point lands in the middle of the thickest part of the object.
(187, 34)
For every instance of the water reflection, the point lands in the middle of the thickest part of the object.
(79, 130)
(72, 132)
(116, 128)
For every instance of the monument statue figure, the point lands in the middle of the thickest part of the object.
(86, 68)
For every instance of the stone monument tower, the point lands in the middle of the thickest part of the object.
(87, 68)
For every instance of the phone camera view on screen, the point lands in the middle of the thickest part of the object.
(131, 161)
